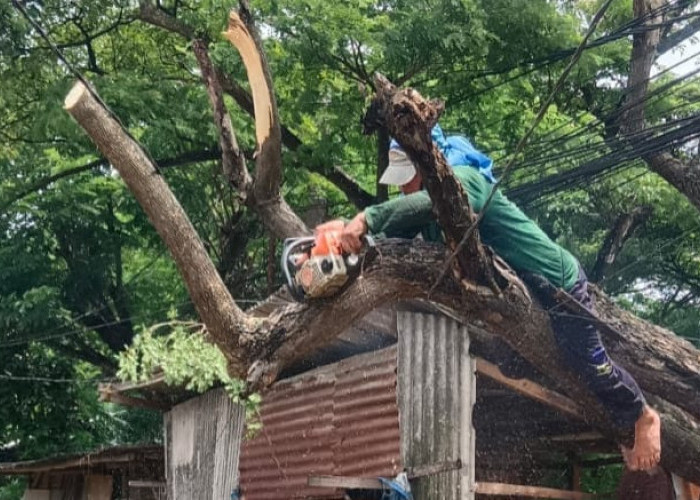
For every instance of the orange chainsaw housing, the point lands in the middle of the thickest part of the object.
(327, 243)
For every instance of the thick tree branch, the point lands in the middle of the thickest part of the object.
(409, 118)
(352, 190)
(225, 321)
(150, 13)
(667, 367)
(622, 230)
(675, 38)
(268, 163)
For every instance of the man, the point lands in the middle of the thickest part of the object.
(527, 249)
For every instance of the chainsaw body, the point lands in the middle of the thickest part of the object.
(315, 266)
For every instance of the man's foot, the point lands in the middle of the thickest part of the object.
(646, 452)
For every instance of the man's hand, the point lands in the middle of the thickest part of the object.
(351, 237)
(336, 225)
(350, 234)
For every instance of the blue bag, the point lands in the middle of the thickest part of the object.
(460, 152)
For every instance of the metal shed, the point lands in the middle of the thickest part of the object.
(402, 390)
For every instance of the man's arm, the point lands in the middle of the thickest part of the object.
(402, 217)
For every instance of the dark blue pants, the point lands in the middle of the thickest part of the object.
(583, 350)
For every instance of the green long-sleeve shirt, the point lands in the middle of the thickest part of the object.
(505, 228)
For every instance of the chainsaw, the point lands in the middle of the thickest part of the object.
(315, 266)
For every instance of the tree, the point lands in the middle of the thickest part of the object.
(492, 74)
(261, 351)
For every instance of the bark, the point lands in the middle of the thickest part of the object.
(264, 194)
(682, 176)
(622, 230)
(232, 157)
(268, 172)
(643, 55)
(383, 142)
(209, 295)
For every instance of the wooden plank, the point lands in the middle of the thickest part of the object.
(348, 483)
(111, 396)
(146, 484)
(529, 389)
(529, 491)
(369, 483)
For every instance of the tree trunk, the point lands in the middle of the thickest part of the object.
(684, 177)
(666, 366)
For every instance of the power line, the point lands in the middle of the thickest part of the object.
(523, 141)
(70, 333)
(17, 378)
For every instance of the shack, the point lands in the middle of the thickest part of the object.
(116, 473)
(406, 389)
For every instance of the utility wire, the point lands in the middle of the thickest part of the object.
(523, 141)
(18, 378)
(18, 5)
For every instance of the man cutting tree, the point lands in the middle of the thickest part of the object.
(528, 250)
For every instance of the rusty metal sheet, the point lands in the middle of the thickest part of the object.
(341, 419)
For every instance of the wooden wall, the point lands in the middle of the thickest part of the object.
(202, 442)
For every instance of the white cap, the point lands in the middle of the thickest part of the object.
(400, 170)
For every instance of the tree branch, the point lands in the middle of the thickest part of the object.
(685, 178)
(409, 118)
(622, 230)
(232, 157)
(268, 170)
(264, 196)
(153, 15)
(225, 321)
(675, 38)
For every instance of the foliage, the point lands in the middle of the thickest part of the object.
(186, 360)
(80, 265)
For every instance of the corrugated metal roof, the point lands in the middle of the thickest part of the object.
(341, 420)
(436, 394)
